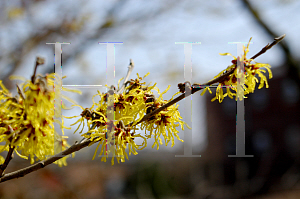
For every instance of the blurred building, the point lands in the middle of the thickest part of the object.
(272, 131)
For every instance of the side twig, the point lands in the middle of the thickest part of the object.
(39, 61)
(20, 92)
(269, 46)
(130, 68)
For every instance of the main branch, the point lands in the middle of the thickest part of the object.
(85, 142)
(22, 172)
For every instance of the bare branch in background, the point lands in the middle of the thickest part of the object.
(289, 58)
(21, 51)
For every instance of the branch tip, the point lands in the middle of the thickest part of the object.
(280, 37)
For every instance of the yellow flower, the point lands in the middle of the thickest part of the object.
(130, 106)
(231, 82)
(62, 145)
(163, 123)
(31, 118)
(3, 148)
(116, 142)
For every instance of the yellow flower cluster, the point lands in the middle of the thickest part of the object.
(128, 108)
(163, 123)
(231, 82)
(26, 122)
(4, 94)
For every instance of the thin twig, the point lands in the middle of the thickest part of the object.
(259, 19)
(130, 68)
(20, 92)
(269, 46)
(39, 61)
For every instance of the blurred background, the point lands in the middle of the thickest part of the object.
(149, 30)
